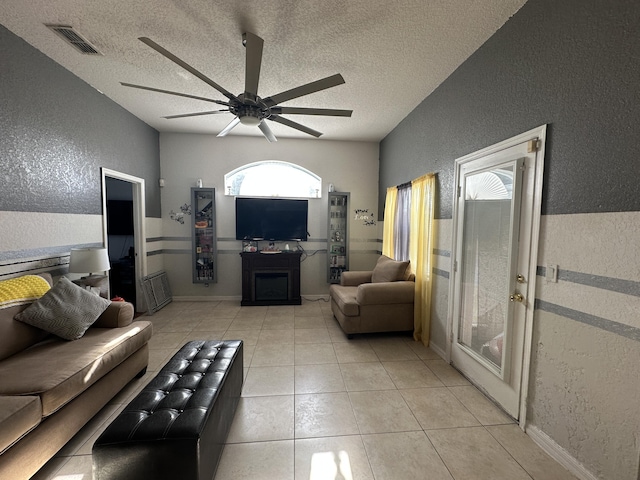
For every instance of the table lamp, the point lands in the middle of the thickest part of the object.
(90, 260)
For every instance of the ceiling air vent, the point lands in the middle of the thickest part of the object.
(74, 39)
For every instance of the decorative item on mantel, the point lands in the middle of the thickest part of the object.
(179, 217)
(249, 246)
(89, 260)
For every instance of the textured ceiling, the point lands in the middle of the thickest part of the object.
(392, 54)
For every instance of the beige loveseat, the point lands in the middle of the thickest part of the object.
(380, 300)
(50, 387)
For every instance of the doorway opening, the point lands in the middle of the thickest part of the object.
(120, 235)
(123, 233)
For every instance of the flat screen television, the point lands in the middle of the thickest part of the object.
(276, 219)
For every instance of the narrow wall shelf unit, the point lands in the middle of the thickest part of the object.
(337, 236)
(204, 248)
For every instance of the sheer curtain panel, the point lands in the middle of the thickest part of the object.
(390, 203)
(421, 248)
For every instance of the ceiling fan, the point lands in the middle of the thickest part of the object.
(248, 107)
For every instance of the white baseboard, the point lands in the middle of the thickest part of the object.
(196, 298)
(559, 454)
(236, 298)
(314, 298)
(438, 350)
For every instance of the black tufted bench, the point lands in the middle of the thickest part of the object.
(177, 426)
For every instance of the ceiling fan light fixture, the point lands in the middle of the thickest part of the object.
(247, 107)
(250, 120)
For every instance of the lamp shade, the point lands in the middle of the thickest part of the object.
(88, 260)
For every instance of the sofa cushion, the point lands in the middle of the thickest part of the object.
(345, 298)
(18, 416)
(17, 336)
(66, 310)
(388, 270)
(60, 370)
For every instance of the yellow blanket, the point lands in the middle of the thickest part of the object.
(22, 290)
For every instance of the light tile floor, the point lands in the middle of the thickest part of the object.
(317, 406)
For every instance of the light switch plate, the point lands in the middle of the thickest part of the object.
(552, 273)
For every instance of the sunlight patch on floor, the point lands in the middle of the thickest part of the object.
(330, 466)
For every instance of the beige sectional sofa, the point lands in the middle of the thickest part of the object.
(51, 387)
(380, 300)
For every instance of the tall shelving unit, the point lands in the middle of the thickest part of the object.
(204, 248)
(337, 236)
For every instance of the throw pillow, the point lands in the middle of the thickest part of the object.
(66, 310)
(388, 270)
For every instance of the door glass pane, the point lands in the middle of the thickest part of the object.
(485, 262)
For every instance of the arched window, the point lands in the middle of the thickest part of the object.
(272, 178)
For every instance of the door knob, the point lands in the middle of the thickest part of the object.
(516, 297)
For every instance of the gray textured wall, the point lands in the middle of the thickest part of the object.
(56, 132)
(572, 64)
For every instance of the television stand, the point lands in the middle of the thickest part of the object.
(271, 279)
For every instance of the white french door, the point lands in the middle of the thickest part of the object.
(496, 224)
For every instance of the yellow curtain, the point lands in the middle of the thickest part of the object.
(389, 220)
(420, 251)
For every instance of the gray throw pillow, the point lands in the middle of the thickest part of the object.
(388, 270)
(66, 310)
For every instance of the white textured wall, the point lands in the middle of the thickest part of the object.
(155, 259)
(350, 166)
(585, 378)
(37, 235)
(36, 230)
(440, 293)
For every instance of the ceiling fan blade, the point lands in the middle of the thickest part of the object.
(311, 111)
(229, 127)
(168, 92)
(266, 131)
(307, 89)
(186, 66)
(253, 44)
(198, 114)
(297, 126)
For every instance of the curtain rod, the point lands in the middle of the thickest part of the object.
(408, 184)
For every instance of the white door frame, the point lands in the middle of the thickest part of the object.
(140, 238)
(538, 137)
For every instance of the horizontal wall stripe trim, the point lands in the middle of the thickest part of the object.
(619, 285)
(43, 252)
(441, 273)
(441, 253)
(309, 252)
(230, 239)
(617, 328)
(169, 239)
